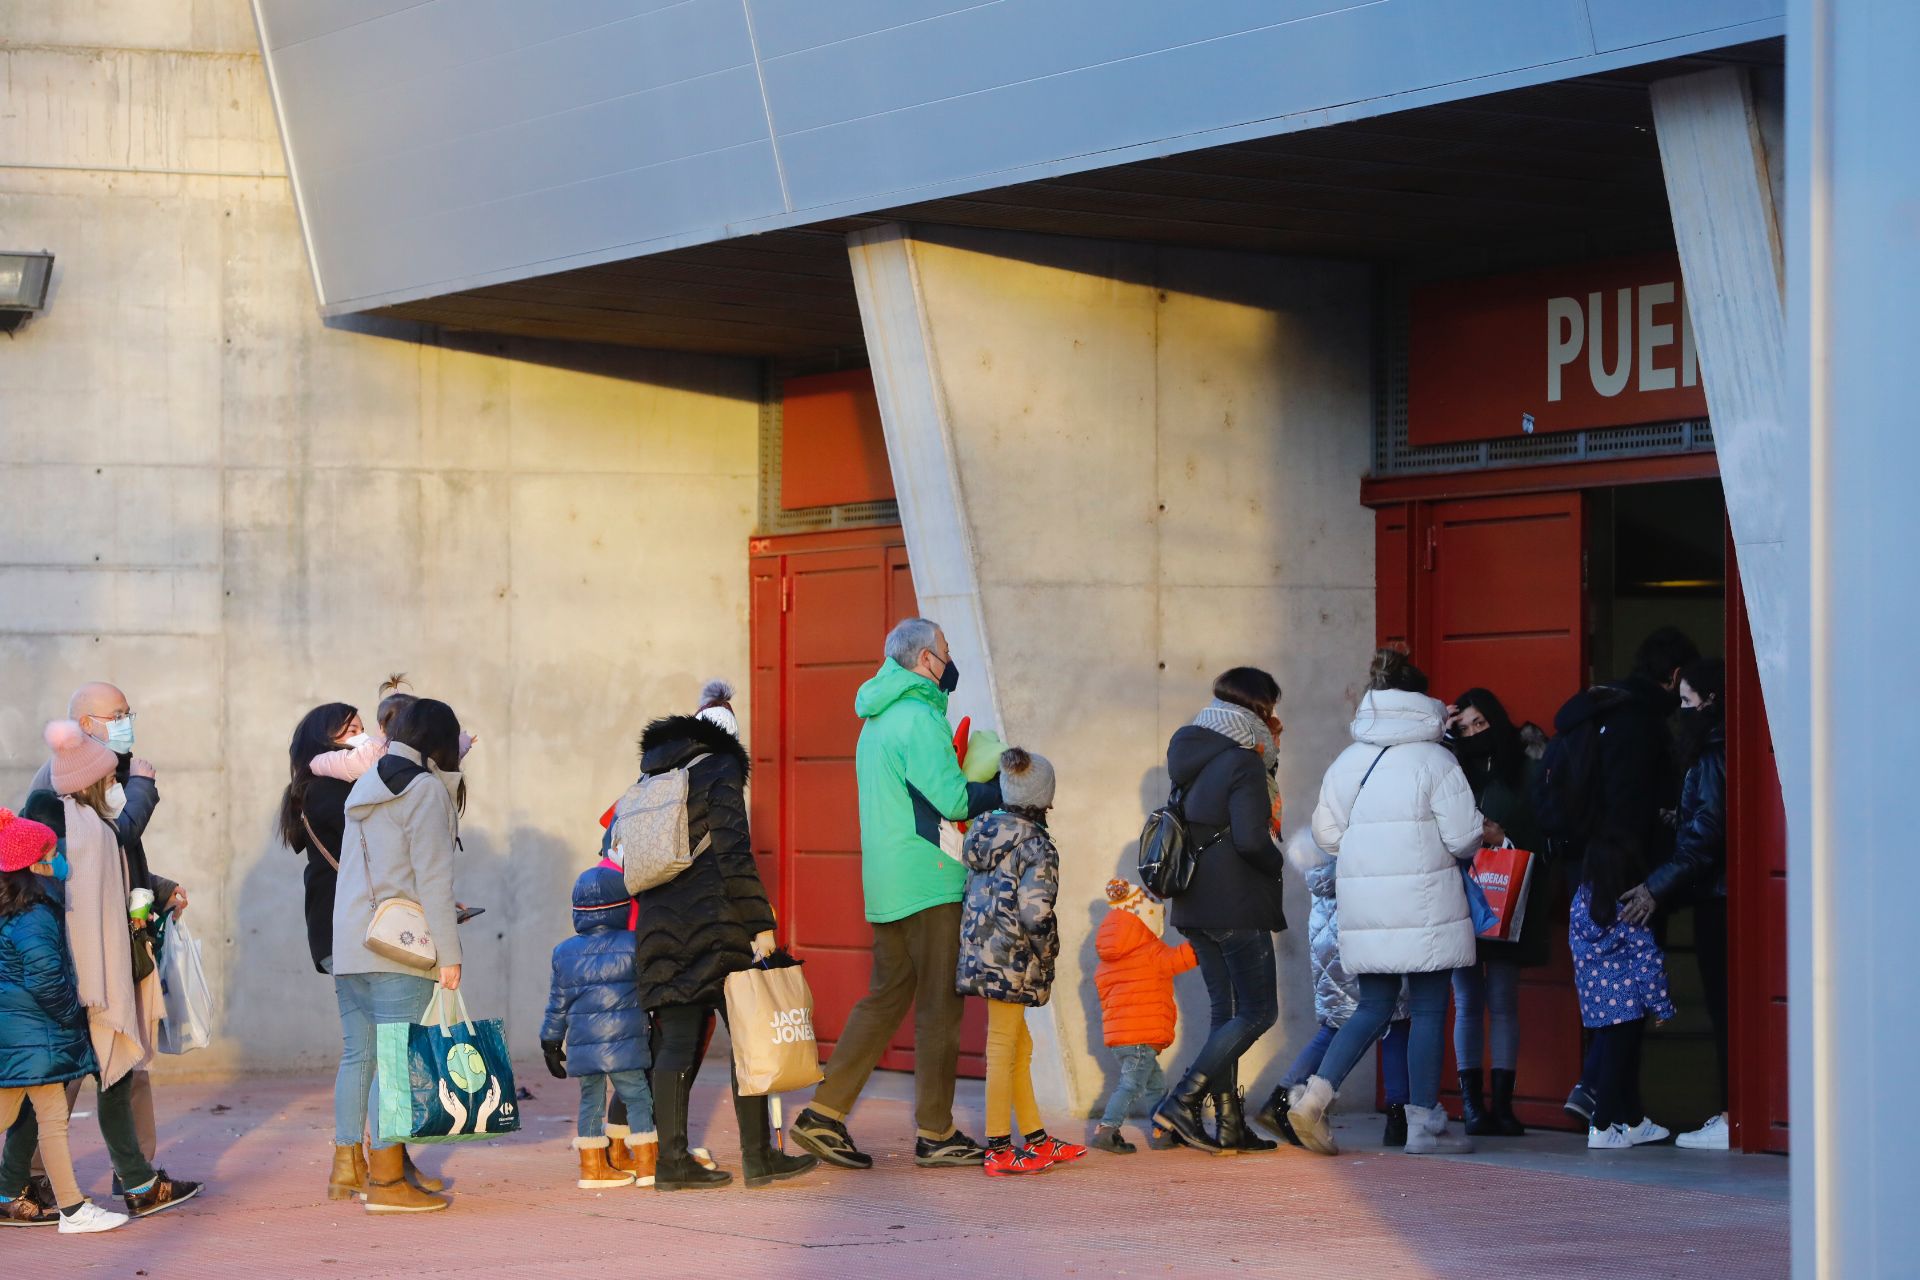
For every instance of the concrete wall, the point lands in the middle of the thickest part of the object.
(1121, 470)
(236, 512)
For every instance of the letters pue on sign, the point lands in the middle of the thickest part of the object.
(1599, 344)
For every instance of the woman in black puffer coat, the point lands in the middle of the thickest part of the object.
(711, 920)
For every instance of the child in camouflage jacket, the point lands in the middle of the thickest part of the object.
(1009, 940)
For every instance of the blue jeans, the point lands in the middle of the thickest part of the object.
(1140, 1077)
(633, 1089)
(1426, 1001)
(367, 1000)
(1243, 992)
(1482, 986)
(1393, 1060)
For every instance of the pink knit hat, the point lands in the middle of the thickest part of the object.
(78, 761)
(23, 841)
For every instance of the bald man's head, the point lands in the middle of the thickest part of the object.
(96, 706)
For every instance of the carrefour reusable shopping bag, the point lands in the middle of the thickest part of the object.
(770, 1018)
(445, 1078)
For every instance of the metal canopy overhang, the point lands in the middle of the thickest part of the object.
(1500, 182)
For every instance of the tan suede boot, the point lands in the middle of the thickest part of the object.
(387, 1187)
(595, 1173)
(643, 1155)
(619, 1153)
(349, 1177)
(419, 1177)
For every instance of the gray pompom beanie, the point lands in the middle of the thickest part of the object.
(1026, 779)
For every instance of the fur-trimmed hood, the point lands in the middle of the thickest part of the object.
(671, 741)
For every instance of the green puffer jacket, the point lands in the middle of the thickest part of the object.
(909, 780)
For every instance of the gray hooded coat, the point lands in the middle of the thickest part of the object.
(402, 829)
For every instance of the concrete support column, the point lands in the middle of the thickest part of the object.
(1853, 189)
(1121, 470)
(1713, 149)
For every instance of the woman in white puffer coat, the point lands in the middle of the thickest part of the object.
(1396, 812)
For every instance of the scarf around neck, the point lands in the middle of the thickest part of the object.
(120, 1014)
(1238, 723)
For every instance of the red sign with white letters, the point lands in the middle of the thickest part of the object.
(1600, 344)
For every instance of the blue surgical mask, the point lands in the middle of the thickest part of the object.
(120, 735)
(60, 867)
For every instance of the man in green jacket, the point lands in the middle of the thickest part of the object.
(909, 781)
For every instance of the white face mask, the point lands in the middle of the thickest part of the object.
(356, 742)
(116, 800)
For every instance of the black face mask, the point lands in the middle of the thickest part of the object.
(1478, 747)
(950, 677)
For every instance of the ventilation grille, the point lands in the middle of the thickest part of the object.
(1394, 456)
(775, 520)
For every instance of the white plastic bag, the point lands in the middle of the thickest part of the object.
(188, 1022)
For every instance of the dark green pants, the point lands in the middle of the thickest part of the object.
(913, 964)
(116, 1128)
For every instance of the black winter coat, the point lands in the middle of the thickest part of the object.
(1637, 774)
(1236, 879)
(594, 1005)
(1698, 867)
(697, 928)
(325, 805)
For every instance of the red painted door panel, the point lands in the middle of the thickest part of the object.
(822, 604)
(1506, 601)
(1488, 592)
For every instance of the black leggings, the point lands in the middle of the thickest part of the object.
(1613, 1073)
(680, 1036)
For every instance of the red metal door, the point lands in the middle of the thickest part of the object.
(822, 605)
(1756, 898)
(1489, 592)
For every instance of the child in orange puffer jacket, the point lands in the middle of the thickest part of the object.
(1137, 1014)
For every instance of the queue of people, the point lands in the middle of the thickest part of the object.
(83, 925)
(638, 985)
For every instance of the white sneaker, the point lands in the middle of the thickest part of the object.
(89, 1218)
(1714, 1135)
(1612, 1138)
(1647, 1131)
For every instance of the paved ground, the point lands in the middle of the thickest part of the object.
(1533, 1207)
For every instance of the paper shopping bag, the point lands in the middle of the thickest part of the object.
(770, 1018)
(445, 1078)
(1503, 875)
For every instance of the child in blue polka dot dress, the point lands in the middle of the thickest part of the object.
(1621, 974)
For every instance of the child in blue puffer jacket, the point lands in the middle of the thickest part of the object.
(44, 1036)
(596, 1031)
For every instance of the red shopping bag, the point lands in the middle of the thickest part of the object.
(1503, 875)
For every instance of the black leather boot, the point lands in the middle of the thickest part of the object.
(1274, 1115)
(1473, 1104)
(761, 1165)
(1232, 1131)
(1226, 1129)
(1179, 1113)
(1396, 1134)
(677, 1169)
(1508, 1124)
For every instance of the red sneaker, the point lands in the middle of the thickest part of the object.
(1002, 1161)
(1056, 1151)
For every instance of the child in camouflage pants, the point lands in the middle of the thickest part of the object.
(1009, 940)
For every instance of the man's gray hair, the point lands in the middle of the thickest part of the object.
(908, 638)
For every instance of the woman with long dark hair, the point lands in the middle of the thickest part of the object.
(1500, 773)
(1696, 873)
(1223, 765)
(401, 835)
(313, 814)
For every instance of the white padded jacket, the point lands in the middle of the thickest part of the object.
(1398, 841)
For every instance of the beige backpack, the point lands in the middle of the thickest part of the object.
(650, 829)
